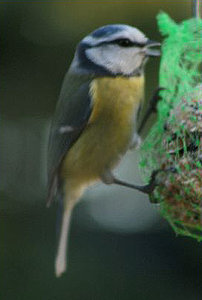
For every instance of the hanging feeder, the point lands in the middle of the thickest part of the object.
(175, 141)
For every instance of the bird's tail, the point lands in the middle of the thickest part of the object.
(60, 261)
(71, 197)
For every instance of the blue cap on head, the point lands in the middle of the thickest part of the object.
(108, 30)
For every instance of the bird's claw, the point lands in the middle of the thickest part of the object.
(155, 99)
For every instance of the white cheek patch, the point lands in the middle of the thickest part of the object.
(116, 60)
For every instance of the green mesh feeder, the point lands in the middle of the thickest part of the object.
(174, 142)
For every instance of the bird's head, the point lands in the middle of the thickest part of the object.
(114, 50)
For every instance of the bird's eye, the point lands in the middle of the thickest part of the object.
(124, 43)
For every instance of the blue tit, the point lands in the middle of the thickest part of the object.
(95, 121)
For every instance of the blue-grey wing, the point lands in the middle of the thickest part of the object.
(71, 116)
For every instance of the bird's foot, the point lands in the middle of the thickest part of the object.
(152, 107)
(109, 178)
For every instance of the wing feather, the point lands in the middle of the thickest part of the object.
(71, 116)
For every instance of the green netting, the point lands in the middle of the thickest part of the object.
(175, 139)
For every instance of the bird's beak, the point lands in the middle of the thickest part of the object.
(152, 52)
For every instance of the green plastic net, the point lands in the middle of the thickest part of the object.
(174, 142)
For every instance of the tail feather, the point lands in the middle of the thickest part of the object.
(52, 190)
(60, 262)
(71, 195)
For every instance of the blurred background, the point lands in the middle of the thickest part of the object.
(120, 247)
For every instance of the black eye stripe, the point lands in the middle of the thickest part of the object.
(123, 42)
(120, 42)
(127, 43)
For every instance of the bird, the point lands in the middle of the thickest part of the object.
(95, 120)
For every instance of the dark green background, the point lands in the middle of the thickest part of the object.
(106, 262)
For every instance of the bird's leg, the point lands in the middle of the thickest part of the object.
(152, 108)
(146, 189)
(109, 178)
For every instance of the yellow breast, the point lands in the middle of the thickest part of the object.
(110, 128)
(116, 98)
